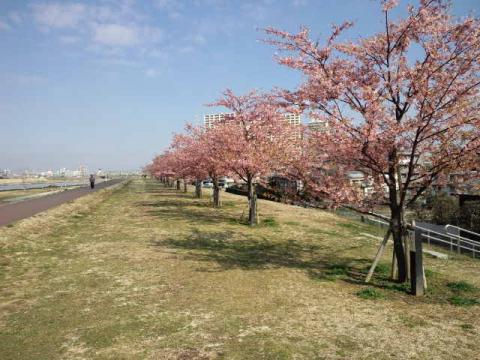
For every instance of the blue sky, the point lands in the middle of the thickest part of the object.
(105, 83)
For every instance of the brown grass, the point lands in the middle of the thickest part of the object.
(148, 272)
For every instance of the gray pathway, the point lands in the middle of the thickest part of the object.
(10, 213)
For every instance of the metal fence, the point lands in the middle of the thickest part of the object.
(454, 238)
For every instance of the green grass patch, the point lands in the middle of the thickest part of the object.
(461, 286)
(383, 269)
(404, 287)
(467, 327)
(338, 270)
(463, 301)
(430, 273)
(269, 222)
(370, 294)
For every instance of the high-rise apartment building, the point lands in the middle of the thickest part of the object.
(293, 119)
(210, 119)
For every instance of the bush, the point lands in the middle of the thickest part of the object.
(470, 216)
(445, 210)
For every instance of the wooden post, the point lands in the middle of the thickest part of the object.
(394, 271)
(378, 256)
(416, 265)
(406, 243)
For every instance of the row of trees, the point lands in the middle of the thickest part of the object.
(401, 106)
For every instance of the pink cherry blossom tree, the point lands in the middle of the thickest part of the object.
(254, 142)
(184, 148)
(321, 178)
(402, 104)
(161, 168)
(201, 155)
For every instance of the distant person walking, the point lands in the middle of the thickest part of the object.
(92, 181)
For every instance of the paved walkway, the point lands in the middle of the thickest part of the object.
(10, 213)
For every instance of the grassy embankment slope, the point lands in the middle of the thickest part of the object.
(146, 272)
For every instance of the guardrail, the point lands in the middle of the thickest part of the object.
(454, 241)
(461, 230)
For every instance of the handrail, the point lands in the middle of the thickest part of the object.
(377, 220)
(449, 235)
(464, 239)
(456, 245)
(461, 229)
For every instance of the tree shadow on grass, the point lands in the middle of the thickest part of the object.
(184, 207)
(177, 203)
(190, 212)
(230, 250)
(169, 194)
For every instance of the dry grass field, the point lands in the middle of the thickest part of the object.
(142, 271)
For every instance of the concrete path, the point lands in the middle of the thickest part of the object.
(10, 213)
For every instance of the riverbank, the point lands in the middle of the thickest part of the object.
(148, 272)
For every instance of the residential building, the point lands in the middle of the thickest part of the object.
(210, 119)
(359, 180)
(295, 121)
(317, 125)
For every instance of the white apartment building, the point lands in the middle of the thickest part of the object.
(210, 119)
(293, 119)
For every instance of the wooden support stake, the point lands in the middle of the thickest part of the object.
(378, 256)
(424, 279)
(406, 246)
(393, 273)
(417, 273)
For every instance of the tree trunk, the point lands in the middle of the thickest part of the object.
(216, 192)
(184, 185)
(398, 231)
(252, 203)
(198, 189)
(178, 184)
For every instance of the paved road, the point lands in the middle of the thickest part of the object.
(12, 212)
